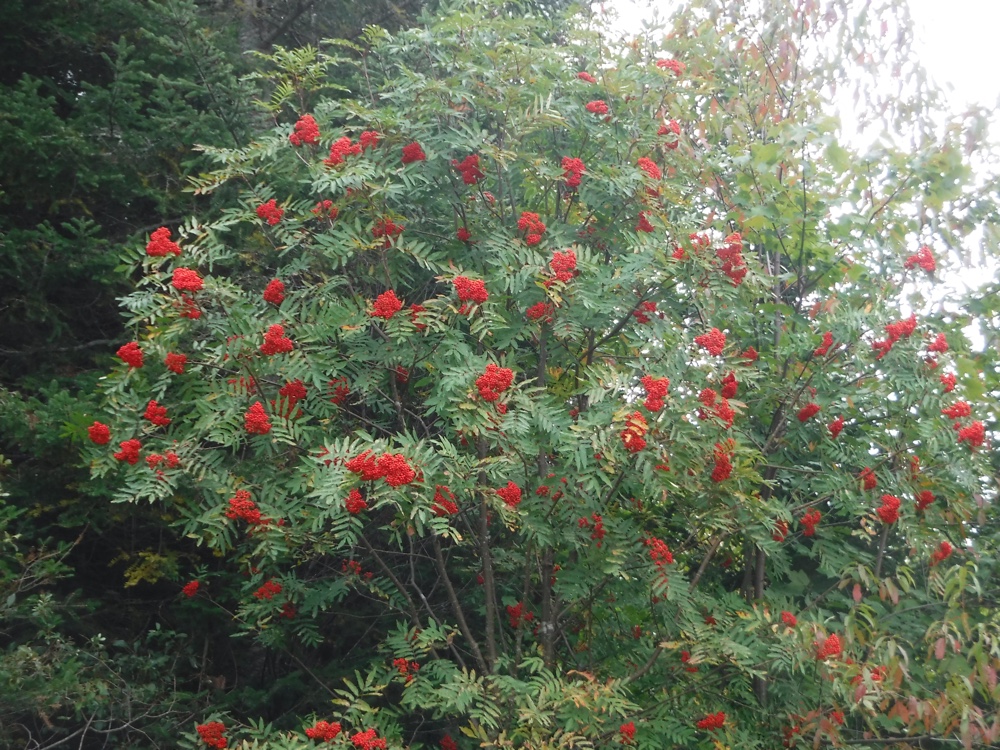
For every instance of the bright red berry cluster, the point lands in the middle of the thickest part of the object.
(668, 128)
(270, 212)
(644, 224)
(808, 411)
(836, 426)
(659, 552)
(275, 341)
(889, 510)
(712, 722)
(829, 648)
(809, 522)
(470, 292)
(469, 169)
(923, 258)
(256, 420)
(268, 590)
(444, 501)
(656, 391)
(190, 588)
(340, 149)
(676, 66)
(99, 433)
(645, 309)
(187, 280)
(129, 452)
(516, 614)
(723, 461)
(156, 414)
(306, 132)
(131, 354)
(868, 478)
(573, 169)
(274, 292)
(627, 733)
(789, 619)
(543, 311)
(563, 265)
(242, 508)
(532, 226)
(597, 107)
(585, 76)
(386, 305)
(325, 209)
(413, 152)
(511, 495)
(393, 467)
(939, 345)
(713, 342)
(896, 331)
(160, 244)
(974, 434)
(368, 740)
(596, 525)
(824, 348)
(355, 503)
(924, 498)
(494, 381)
(324, 731)
(212, 734)
(175, 362)
(634, 435)
(649, 166)
(942, 553)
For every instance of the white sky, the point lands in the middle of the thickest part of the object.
(956, 40)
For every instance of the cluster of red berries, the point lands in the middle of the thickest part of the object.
(242, 508)
(413, 152)
(386, 229)
(131, 354)
(672, 127)
(190, 589)
(676, 66)
(645, 309)
(596, 525)
(923, 258)
(306, 132)
(270, 212)
(808, 411)
(644, 225)
(731, 256)
(368, 740)
(355, 503)
(469, 169)
(494, 381)
(532, 226)
(824, 348)
(809, 522)
(516, 614)
(175, 362)
(324, 731)
(868, 478)
(444, 501)
(656, 391)
(829, 648)
(942, 553)
(407, 669)
(392, 467)
(836, 426)
(896, 331)
(939, 345)
(597, 107)
(268, 590)
(649, 166)
(386, 305)
(723, 461)
(187, 280)
(129, 452)
(470, 292)
(585, 76)
(659, 552)
(634, 435)
(160, 244)
(924, 498)
(212, 734)
(789, 619)
(275, 341)
(340, 149)
(256, 420)
(627, 733)
(719, 408)
(274, 292)
(511, 495)
(713, 342)
(889, 510)
(156, 414)
(573, 169)
(563, 265)
(712, 722)
(325, 209)
(544, 311)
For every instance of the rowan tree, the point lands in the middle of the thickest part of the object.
(591, 382)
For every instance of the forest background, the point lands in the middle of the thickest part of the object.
(104, 109)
